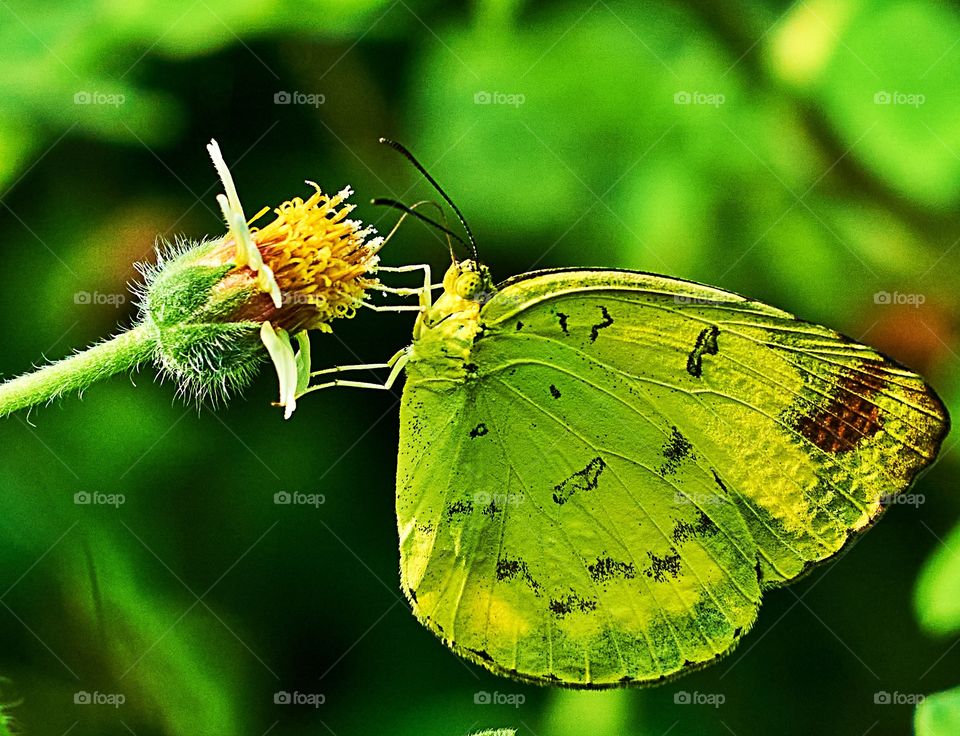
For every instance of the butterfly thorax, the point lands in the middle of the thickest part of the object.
(444, 334)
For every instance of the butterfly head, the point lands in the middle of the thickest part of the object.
(469, 280)
(454, 316)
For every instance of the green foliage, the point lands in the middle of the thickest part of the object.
(7, 721)
(937, 604)
(937, 597)
(938, 714)
(176, 681)
(910, 116)
(98, 49)
(610, 714)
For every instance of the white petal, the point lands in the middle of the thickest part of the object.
(228, 186)
(281, 353)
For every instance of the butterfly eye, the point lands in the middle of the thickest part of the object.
(468, 284)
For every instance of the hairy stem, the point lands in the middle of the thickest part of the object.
(125, 351)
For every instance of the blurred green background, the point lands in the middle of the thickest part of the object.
(806, 154)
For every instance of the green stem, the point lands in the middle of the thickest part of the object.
(120, 353)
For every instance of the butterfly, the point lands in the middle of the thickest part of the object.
(600, 471)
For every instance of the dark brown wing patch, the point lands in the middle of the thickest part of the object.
(848, 415)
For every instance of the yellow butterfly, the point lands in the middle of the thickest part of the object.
(601, 471)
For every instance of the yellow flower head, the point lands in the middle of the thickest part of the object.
(320, 259)
(311, 263)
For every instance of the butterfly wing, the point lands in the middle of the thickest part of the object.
(629, 461)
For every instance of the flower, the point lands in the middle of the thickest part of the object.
(311, 264)
(216, 305)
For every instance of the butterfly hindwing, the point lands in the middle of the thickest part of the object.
(584, 566)
(628, 461)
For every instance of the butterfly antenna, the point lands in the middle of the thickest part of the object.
(412, 210)
(426, 174)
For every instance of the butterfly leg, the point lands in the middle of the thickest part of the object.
(426, 298)
(357, 367)
(397, 362)
(395, 308)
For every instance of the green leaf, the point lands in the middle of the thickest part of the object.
(6, 720)
(938, 714)
(890, 98)
(937, 598)
(606, 714)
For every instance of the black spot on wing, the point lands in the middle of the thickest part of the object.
(511, 569)
(607, 568)
(660, 567)
(605, 322)
(676, 448)
(481, 653)
(703, 526)
(554, 391)
(479, 431)
(563, 322)
(582, 480)
(719, 482)
(491, 509)
(682, 531)
(706, 344)
(519, 325)
(458, 508)
(571, 603)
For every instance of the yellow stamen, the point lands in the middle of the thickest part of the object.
(318, 257)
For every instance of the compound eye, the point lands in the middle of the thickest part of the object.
(468, 284)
